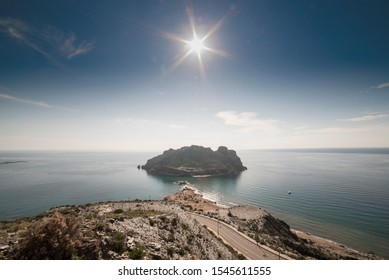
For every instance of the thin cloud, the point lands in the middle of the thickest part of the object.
(26, 35)
(25, 101)
(134, 122)
(300, 128)
(334, 129)
(34, 103)
(248, 121)
(383, 85)
(49, 41)
(338, 130)
(369, 117)
(70, 49)
(138, 122)
(176, 126)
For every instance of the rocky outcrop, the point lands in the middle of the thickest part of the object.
(195, 161)
(147, 230)
(154, 230)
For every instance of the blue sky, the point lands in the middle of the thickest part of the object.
(121, 75)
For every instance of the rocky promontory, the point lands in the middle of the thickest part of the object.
(157, 230)
(195, 161)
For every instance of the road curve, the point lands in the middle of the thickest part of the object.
(237, 240)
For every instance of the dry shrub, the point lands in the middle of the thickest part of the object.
(53, 239)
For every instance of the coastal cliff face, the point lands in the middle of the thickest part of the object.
(195, 161)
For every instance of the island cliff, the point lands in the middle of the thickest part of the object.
(195, 161)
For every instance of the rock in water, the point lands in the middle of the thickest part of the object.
(195, 161)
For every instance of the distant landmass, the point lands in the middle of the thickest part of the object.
(12, 162)
(195, 161)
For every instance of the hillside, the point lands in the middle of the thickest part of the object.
(155, 230)
(152, 230)
(195, 161)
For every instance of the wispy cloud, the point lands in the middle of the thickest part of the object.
(383, 85)
(48, 41)
(35, 103)
(326, 130)
(139, 122)
(70, 49)
(26, 101)
(369, 117)
(134, 122)
(176, 126)
(248, 121)
(299, 128)
(26, 35)
(339, 130)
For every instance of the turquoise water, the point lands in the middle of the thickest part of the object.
(338, 194)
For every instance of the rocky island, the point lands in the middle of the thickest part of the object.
(195, 161)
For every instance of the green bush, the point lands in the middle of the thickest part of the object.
(171, 238)
(181, 251)
(241, 257)
(118, 242)
(174, 222)
(100, 227)
(170, 251)
(137, 253)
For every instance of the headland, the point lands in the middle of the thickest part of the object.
(159, 229)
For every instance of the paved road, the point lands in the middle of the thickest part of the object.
(237, 241)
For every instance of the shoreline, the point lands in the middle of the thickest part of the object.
(272, 232)
(206, 204)
(324, 241)
(300, 233)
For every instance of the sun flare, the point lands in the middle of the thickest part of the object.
(196, 45)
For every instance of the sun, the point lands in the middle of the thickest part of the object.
(196, 45)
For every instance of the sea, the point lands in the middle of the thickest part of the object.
(336, 194)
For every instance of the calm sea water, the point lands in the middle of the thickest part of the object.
(339, 194)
